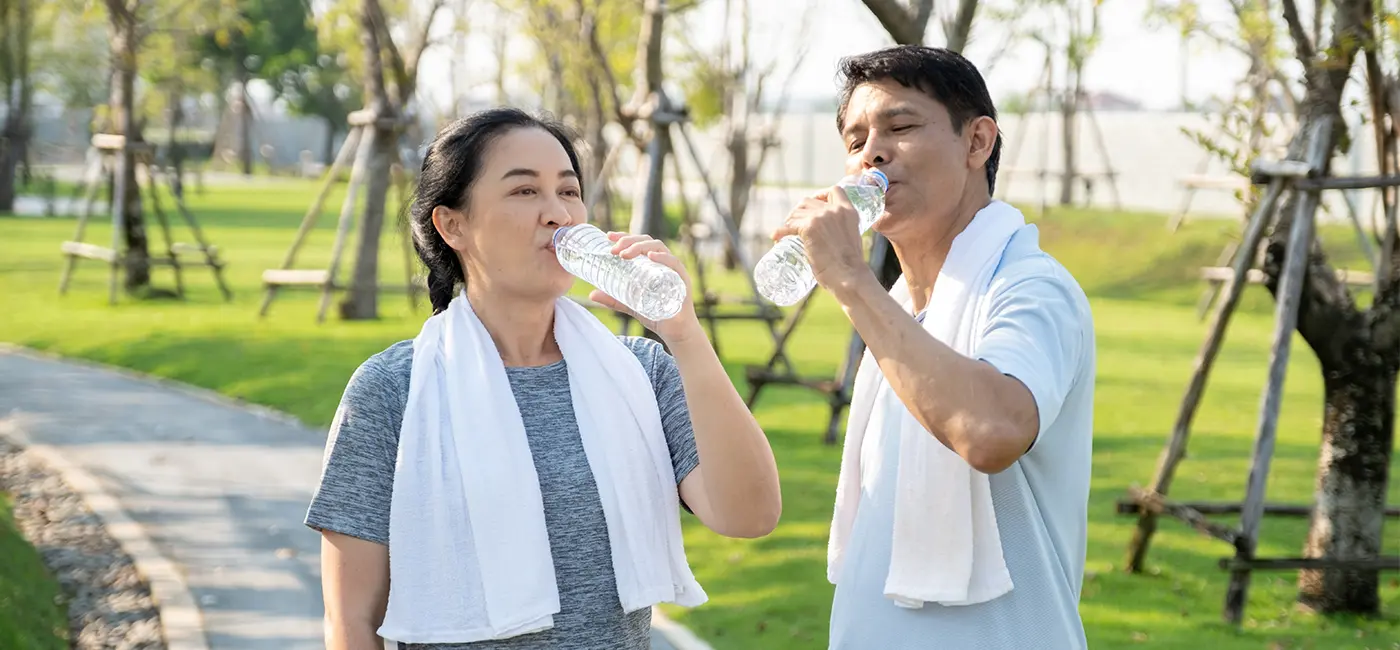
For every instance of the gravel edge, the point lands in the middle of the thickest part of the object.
(106, 565)
(108, 603)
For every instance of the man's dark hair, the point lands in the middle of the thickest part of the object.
(940, 73)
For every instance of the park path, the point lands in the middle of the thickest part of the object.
(219, 489)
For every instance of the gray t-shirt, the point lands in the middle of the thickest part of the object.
(358, 478)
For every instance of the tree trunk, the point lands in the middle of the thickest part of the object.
(1069, 114)
(15, 138)
(1358, 434)
(598, 149)
(173, 145)
(1359, 361)
(9, 163)
(648, 204)
(361, 300)
(498, 49)
(739, 180)
(328, 151)
(245, 122)
(123, 121)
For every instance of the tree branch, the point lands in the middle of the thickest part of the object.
(588, 24)
(371, 16)
(959, 29)
(906, 27)
(422, 43)
(1302, 44)
(119, 9)
(1327, 309)
(387, 49)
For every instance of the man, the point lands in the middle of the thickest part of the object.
(961, 509)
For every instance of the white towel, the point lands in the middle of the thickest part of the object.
(946, 547)
(469, 557)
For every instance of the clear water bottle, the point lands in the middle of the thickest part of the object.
(652, 290)
(784, 275)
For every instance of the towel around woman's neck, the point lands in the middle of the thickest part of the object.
(946, 546)
(469, 556)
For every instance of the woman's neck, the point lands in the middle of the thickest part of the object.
(523, 330)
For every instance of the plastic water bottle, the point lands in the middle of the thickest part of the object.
(650, 289)
(784, 275)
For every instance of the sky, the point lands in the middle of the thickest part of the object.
(1134, 59)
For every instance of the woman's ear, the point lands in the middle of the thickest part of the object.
(449, 224)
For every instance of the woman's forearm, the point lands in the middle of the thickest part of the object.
(740, 475)
(350, 636)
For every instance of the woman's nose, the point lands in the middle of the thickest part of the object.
(557, 214)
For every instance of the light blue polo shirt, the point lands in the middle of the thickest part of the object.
(1039, 330)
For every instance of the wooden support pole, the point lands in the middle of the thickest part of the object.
(1205, 359)
(1131, 506)
(118, 221)
(308, 221)
(198, 233)
(165, 230)
(71, 262)
(1290, 292)
(1382, 563)
(1158, 504)
(595, 188)
(703, 302)
(405, 233)
(767, 311)
(347, 220)
(1348, 183)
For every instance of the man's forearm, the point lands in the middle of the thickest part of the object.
(966, 404)
(741, 479)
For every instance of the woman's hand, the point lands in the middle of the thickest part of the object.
(675, 329)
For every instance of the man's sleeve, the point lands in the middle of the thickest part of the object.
(1035, 333)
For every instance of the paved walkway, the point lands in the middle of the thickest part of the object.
(220, 490)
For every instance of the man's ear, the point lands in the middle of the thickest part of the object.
(982, 136)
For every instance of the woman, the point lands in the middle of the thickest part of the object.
(511, 477)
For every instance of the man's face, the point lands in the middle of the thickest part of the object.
(911, 138)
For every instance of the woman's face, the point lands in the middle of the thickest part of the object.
(525, 189)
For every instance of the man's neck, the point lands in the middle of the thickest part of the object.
(922, 256)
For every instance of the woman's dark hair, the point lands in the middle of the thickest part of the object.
(450, 167)
(942, 74)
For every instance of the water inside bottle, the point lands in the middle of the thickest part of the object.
(784, 275)
(648, 288)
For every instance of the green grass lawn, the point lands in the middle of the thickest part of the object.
(31, 613)
(771, 593)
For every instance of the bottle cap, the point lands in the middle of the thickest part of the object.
(554, 241)
(880, 178)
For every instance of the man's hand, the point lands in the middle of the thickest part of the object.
(829, 227)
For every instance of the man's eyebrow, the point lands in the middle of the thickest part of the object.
(886, 114)
(898, 111)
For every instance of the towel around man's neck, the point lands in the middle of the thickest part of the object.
(469, 556)
(946, 546)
